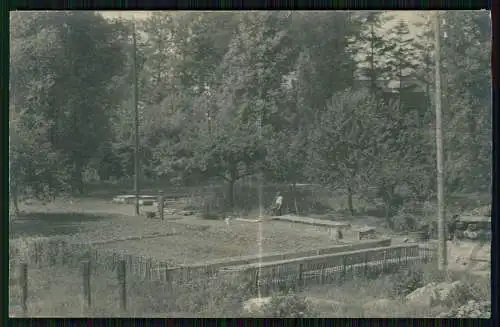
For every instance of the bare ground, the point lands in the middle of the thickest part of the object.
(221, 240)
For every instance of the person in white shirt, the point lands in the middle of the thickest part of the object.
(278, 204)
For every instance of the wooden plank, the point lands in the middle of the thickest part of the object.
(368, 244)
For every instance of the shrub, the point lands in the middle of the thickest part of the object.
(407, 281)
(289, 305)
(472, 288)
(404, 222)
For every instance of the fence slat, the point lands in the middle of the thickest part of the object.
(23, 281)
(122, 282)
(86, 285)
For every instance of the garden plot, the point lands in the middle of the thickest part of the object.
(220, 240)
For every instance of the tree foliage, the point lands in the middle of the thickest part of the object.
(222, 95)
(62, 70)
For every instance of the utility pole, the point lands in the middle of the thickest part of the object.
(442, 249)
(136, 109)
(261, 174)
(212, 192)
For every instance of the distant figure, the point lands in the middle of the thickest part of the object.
(339, 234)
(278, 205)
(452, 228)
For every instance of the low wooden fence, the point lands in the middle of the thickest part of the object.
(47, 252)
(50, 252)
(263, 278)
(208, 267)
(332, 268)
(53, 252)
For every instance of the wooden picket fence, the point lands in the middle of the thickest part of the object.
(52, 252)
(329, 269)
(56, 252)
(264, 277)
(48, 252)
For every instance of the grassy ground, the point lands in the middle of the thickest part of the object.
(57, 292)
(358, 298)
(225, 298)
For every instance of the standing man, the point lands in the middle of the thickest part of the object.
(278, 204)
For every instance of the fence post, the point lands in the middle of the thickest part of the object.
(160, 205)
(256, 274)
(366, 264)
(129, 262)
(122, 282)
(148, 268)
(384, 268)
(164, 268)
(322, 275)
(61, 252)
(400, 257)
(86, 285)
(23, 279)
(52, 252)
(168, 278)
(301, 269)
(344, 267)
(37, 254)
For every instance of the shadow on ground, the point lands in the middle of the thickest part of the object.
(51, 224)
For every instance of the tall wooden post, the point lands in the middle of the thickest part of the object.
(161, 201)
(86, 285)
(261, 174)
(442, 250)
(122, 282)
(23, 281)
(136, 111)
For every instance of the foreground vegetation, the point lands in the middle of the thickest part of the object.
(380, 296)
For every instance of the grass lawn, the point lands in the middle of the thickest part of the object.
(57, 292)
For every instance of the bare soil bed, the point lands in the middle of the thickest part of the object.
(194, 239)
(220, 240)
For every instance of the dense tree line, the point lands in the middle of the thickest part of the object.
(318, 84)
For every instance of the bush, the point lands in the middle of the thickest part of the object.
(404, 223)
(407, 281)
(289, 305)
(471, 309)
(473, 288)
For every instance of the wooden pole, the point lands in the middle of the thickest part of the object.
(122, 282)
(257, 286)
(136, 111)
(161, 200)
(23, 279)
(344, 268)
(86, 285)
(301, 280)
(261, 174)
(442, 251)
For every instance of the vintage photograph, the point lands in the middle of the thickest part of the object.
(250, 164)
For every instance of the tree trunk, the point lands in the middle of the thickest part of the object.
(78, 177)
(15, 199)
(230, 193)
(388, 193)
(294, 195)
(349, 201)
(372, 59)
